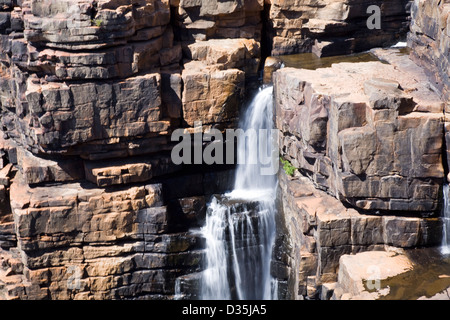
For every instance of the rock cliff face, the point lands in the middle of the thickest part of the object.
(372, 141)
(210, 19)
(316, 230)
(330, 27)
(372, 135)
(90, 92)
(430, 40)
(91, 206)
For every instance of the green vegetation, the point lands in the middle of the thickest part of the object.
(287, 167)
(97, 22)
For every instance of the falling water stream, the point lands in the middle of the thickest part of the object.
(240, 225)
(445, 248)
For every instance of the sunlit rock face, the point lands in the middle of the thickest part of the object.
(430, 41)
(91, 205)
(90, 92)
(349, 129)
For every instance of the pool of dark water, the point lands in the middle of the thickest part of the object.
(428, 279)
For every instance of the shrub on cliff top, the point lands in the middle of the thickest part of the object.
(287, 167)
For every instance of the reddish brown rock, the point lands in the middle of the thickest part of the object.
(429, 40)
(362, 137)
(318, 232)
(211, 19)
(96, 244)
(368, 269)
(222, 66)
(330, 27)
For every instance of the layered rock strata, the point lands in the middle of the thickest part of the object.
(419, 274)
(124, 55)
(360, 275)
(325, 27)
(316, 230)
(91, 206)
(66, 238)
(223, 66)
(372, 136)
(90, 92)
(429, 39)
(80, 242)
(213, 19)
(130, 96)
(330, 27)
(367, 139)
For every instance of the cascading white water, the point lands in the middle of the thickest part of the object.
(445, 248)
(259, 117)
(240, 225)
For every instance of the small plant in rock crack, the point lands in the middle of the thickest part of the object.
(97, 22)
(288, 167)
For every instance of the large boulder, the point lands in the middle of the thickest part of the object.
(222, 66)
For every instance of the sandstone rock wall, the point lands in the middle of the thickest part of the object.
(429, 40)
(90, 92)
(72, 70)
(317, 230)
(122, 54)
(94, 243)
(76, 240)
(89, 78)
(371, 136)
(91, 206)
(332, 27)
(212, 19)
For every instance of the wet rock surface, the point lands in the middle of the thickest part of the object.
(416, 274)
(349, 135)
(315, 231)
(429, 39)
(360, 275)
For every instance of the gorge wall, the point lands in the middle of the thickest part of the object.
(372, 135)
(429, 39)
(90, 91)
(372, 167)
(330, 27)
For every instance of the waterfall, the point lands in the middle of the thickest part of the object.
(240, 225)
(445, 248)
(259, 120)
